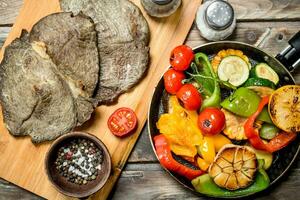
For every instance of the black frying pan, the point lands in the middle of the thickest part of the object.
(283, 64)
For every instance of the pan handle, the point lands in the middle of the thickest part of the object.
(290, 56)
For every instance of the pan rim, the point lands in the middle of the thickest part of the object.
(170, 173)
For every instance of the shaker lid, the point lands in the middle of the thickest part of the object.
(160, 8)
(219, 15)
(161, 2)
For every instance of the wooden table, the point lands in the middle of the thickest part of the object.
(266, 23)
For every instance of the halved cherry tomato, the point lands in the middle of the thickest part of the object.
(190, 97)
(122, 122)
(181, 57)
(173, 80)
(211, 121)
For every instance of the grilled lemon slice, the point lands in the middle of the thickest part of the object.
(234, 167)
(284, 108)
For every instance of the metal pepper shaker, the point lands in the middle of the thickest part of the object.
(160, 8)
(215, 20)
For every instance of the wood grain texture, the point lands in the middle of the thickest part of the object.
(149, 180)
(3, 34)
(250, 10)
(271, 36)
(249, 32)
(266, 9)
(9, 191)
(9, 10)
(165, 34)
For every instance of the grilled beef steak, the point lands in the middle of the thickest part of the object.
(36, 101)
(48, 78)
(71, 44)
(123, 37)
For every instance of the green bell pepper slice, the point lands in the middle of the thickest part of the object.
(264, 116)
(205, 185)
(214, 100)
(244, 102)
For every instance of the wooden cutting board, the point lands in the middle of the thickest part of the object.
(22, 162)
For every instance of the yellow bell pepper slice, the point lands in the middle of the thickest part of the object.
(180, 128)
(202, 164)
(207, 149)
(219, 141)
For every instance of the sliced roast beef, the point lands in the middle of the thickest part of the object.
(123, 38)
(70, 41)
(35, 99)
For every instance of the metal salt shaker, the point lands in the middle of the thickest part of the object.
(160, 8)
(215, 20)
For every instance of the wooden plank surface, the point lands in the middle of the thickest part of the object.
(165, 34)
(246, 10)
(9, 10)
(249, 10)
(139, 180)
(144, 154)
(143, 178)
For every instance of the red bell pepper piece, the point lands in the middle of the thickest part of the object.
(165, 157)
(277, 143)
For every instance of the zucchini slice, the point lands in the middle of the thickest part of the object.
(259, 82)
(263, 70)
(234, 70)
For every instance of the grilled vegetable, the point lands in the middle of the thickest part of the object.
(234, 167)
(234, 70)
(268, 131)
(164, 155)
(284, 108)
(202, 164)
(207, 149)
(265, 156)
(205, 185)
(211, 121)
(173, 80)
(263, 70)
(264, 116)
(199, 70)
(219, 141)
(179, 126)
(261, 90)
(259, 82)
(234, 128)
(215, 98)
(229, 52)
(181, 57)
(244, 102)
(190, 97)
(277, 143)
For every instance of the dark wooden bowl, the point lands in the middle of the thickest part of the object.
(69, 188)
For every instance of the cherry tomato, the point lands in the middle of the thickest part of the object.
(122, 122)
(173, 80)
(190, 97)
(181, 57)
(211, 121)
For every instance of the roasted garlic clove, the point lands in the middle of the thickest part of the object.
(234, 167)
